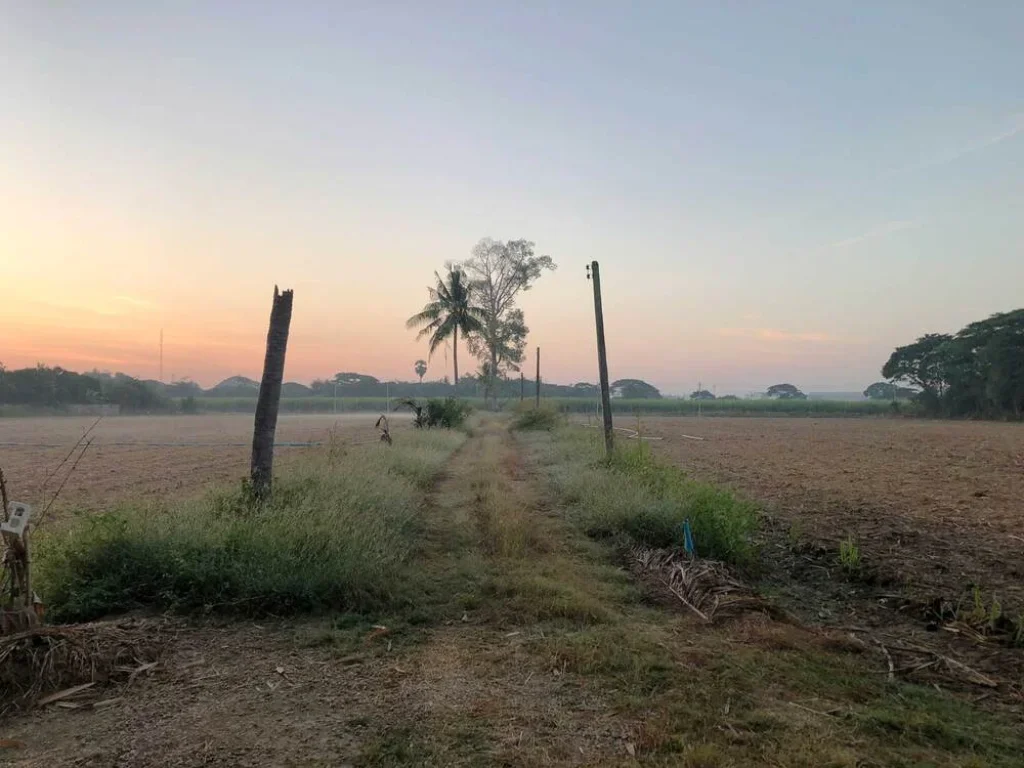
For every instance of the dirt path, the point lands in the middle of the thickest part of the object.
(462, 691)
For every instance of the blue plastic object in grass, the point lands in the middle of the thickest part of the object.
(688, 538)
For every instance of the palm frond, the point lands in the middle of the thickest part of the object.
(444, 331)
(429, 313)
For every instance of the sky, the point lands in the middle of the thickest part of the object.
(774, 191)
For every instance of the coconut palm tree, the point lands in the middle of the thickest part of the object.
(449, 310)
(421, 369)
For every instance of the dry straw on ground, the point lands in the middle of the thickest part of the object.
(43, 660)
(705, 587)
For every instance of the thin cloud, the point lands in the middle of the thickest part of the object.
(886, 229)
(774, 334)
(1015, 126)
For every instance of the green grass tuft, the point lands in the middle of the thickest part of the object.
(636, 496)
(539, 419)
(334, 536)
(849, 555)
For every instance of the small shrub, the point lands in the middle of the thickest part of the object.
(540, 419)
(189, 405)
(447, 413)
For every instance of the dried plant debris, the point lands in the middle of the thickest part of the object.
(50, 664)
(705, 587)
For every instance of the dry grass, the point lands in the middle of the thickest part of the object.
(706, 587)
(46, 659)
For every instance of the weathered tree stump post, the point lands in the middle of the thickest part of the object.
(269, 400)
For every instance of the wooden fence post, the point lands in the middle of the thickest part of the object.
(538, 377)
(269, 400)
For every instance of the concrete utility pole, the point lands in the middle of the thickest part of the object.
(538, 377)
(594, 273)
(522, 386)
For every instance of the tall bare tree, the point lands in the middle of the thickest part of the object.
(499, 272)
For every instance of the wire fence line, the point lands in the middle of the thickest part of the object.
(177, 444)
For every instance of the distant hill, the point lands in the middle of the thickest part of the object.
(237, 381)
(294, 389)
(235, 386)
(242, 386)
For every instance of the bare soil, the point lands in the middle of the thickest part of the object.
(534, 650)
(934, 507)
(153, 456)
(465, 691)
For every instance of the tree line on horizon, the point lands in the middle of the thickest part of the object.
(977, 372)
(45, 386)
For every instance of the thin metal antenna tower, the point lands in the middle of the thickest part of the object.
(161, 354)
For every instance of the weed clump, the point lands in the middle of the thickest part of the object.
(332, 537)
(634, 496)
(849, 555)
(539, 419)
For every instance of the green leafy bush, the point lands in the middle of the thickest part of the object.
(447, 413)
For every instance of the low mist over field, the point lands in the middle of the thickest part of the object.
(512, 384)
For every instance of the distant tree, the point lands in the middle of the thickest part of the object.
(510, 344)
(702, 394)
(634, 389)
(923, 364)
(499, 272)
(132, 394)
(355, 379)
(295, 389)
(977, 372)
(785, 392)
(884, 390)
(985, 366)
(449, 310)
(235, 386)
(728, 397)
(183, 388)
(48, 387)
(421, 369)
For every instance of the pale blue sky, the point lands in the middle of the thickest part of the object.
(775, 191)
